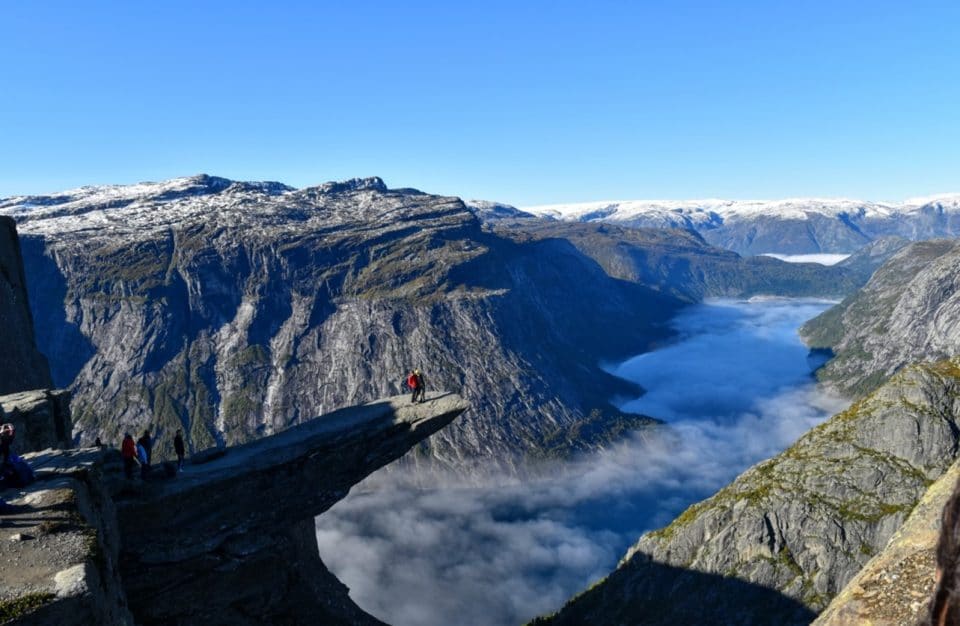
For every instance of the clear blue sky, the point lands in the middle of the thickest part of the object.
(523, 102)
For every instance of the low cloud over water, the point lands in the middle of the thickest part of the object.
(736, 389)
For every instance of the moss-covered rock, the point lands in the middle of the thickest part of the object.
(802, 523)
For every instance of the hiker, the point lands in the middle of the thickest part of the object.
(178, 447)
(128, 450)
(7, 433)
(421, 389)
(412, 385)
(147, 444)
(144, 458)
(98, 443)
(945, 604)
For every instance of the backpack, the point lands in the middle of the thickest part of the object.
(412, 381)
(17, 473)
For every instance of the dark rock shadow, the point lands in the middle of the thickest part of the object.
(61, 341)
(647, 592)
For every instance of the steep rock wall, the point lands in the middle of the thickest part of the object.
(895, 587)
(909, 311)
(228, 541)
(22, 366)
(802, 523)
(233, 310)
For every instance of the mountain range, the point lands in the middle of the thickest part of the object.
(750, 227)
(235, 310)
(805, 522)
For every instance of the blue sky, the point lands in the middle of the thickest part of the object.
(523, 102)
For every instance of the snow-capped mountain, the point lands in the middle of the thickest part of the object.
(790, 226)
(235, 309)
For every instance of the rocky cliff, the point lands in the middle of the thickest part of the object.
(682, 264)
(909, 311)
(233, 310)
(802, 523)
(228, 541)
(22, 367)
(895, 587)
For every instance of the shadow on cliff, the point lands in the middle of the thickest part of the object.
(655, 593)
(58, 338)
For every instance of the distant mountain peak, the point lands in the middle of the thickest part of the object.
(372, 183)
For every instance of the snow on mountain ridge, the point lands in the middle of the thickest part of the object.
(154, 206)
(946, 199)
(700, 210)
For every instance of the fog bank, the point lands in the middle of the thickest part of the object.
(735, 388)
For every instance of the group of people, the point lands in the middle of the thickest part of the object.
(416, 384)
(140, 452)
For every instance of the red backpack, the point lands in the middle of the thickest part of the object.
(412, 381)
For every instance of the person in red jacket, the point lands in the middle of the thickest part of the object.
(412, 385)
(128, 450)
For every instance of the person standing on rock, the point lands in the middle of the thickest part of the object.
(412, 385)
(144, 458)
(147, 444)
(128, 451)
(421, 388)
(179, 448)
(7, 433)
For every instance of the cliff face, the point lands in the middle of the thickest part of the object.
(22, 366)
(909, 311)
(895, 587)
(229, 541)
(802, 523)
(233, 310)
(684, 265)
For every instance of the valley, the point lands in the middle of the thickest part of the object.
(735, 387)
(619, 377)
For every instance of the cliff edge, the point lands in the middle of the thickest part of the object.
(228, 541)
(22, 366)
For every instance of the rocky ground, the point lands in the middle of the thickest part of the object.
(195, 547)
(58, 547)
(895, 587)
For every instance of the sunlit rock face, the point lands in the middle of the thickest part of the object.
(787, 535)
(233, 310)
(908, 312)
(227, 541)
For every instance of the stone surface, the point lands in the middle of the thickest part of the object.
(197, 547)
(802, 523)
(22, 366)
(229, 541)
(909, 311)
(66, 558)
(895, 587)
(41, 417)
